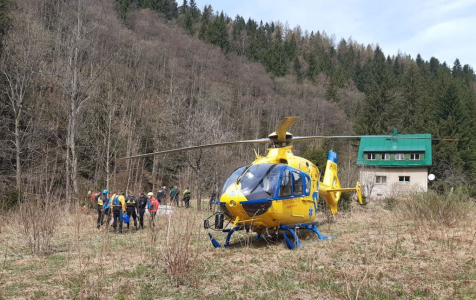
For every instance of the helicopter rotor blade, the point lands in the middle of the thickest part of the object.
(283, 128)
(321, 137)
(257, 141)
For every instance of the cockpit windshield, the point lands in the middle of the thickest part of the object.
(233, 177)
(260, 181)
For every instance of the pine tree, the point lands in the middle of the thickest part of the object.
(313, 68)
(276, 61)
(377, 115)
(412, 102)
(218, 32)
(183, 9)
(297, 69)
(452, 120)
(290, 46)
(188, 23)
(194, 10)
(457, 70)
(203, 33)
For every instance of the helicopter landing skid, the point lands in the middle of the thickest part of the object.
(289, 228)
(228, 236)
(297, 243)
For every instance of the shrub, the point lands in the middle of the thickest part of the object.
(10, 200)
(447, 209)
(180, 256)
(345, 202)
(38, 220)
(390, 203)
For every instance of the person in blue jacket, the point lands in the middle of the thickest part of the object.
(107, 210)
(101, 201)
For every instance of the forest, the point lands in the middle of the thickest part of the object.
(86, 82)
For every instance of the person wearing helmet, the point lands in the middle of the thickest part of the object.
(186, 197)
(131, 205)
(141, 206)
(162, 196)
(107, 209)
(101, 200)
(118, 205)
(152, 206)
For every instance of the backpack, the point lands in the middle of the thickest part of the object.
(116, 202)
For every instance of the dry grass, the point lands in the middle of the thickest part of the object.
(377, 255)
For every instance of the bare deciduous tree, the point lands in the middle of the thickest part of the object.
(20, 62)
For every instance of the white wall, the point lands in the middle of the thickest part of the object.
(393, 188)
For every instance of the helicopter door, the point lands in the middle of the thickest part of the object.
(286, 183)
(297, 183)
(308, 185)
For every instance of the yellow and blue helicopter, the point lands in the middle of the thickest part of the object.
(279, 191)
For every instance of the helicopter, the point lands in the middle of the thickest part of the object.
(279, 191)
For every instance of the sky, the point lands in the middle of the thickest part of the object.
(444, 29)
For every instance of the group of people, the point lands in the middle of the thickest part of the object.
(119, 208)
(174, 196)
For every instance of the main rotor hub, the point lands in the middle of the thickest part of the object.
(273, 137)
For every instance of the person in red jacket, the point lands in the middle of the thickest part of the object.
(152, 206)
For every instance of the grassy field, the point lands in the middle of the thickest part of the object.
(378, 254)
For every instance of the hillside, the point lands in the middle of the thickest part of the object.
(87, 82)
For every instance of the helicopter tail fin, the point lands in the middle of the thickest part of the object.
(330, 187)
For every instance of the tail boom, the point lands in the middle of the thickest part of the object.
(330, 187)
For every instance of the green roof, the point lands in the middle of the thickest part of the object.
(415, 147)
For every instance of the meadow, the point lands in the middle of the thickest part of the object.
(393, 249)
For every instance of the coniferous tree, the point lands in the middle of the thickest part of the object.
(297, 69)
(194, 10)
(412, 102)
(188, 23)
(452, 120)
(183, 8)
(313, 68)
(218, 32)
(377, 112)
(204, 33)
(276, 60)
(290, 46)
(457, 70)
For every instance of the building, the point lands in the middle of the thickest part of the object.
(395, 165)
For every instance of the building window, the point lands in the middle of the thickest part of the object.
(414, 156)
(381, 179)
(404, 179)
(385, 156)
(399, 156)
(371, 156)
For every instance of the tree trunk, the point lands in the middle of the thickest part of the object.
(108, 150)
(18, 151)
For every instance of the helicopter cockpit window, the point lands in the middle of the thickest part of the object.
(233, 177)
(260, 181)
(297, 180)
(285, 187)
(308, 185)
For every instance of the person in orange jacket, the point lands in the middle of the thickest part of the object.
(118, 205)
(152, 206)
